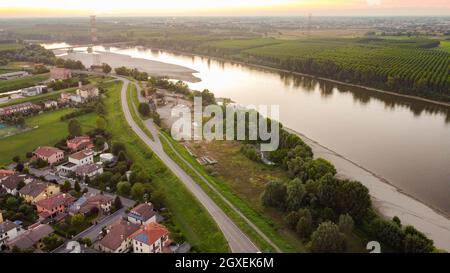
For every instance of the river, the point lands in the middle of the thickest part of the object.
(403, 140)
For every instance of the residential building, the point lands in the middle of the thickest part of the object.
(89, 201)
(54, 205)
(13, 75)
(50, 154)
(66, 97)
(11, 183)
(79, 143)
(89, 170)
(31, 238)
(18, 108)
(5, 173)
(82, 157)
(142, 214)
(117, 238)
(1, 217)
(151, 238)
(33, 91)
(38, 190)
(57, 73)
(87, 91)
(9, 231)
(50, 104)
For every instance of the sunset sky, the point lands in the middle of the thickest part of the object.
(41, 8)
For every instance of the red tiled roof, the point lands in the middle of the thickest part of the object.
(47, 151)
(87, 169)
(78, 140)
(55, 201)
(81, 154)
(150, 233)
(145, 210)
(118, 232)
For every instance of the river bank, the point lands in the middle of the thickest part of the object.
(269, 68)
(388, 200)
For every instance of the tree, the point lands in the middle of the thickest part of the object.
(101, 123)
(117, 147)
(327, 239)
(123, 188)
(319, 168)
(86, 241)
(122, 156)
(66, 187)
(295, 191)
(274, 195)
(16, 159)
(117, 203)
(416, 244)
(77, 220)
(74, 128)
(304, 226)
(12, 202)
(346, 223)
(137, 191)
(106, 68)
(51, 242)
(291, 219)
(20, 167)
(77, 187)
(99, 142)
(144, 109)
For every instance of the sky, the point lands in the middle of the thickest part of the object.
(64, 8)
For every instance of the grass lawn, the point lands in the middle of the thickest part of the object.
(50, 131)
(445, 46)
(187, 213)
(9, 47)
(24, 82)
(42, 97)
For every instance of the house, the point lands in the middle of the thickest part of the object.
(11, 183)
(13, 75)
(31, 238)
(5, 173)
(117, 238)
(76, 160)
(66, 97)
(9, 231)
(151, 238)
(1, 217)
(82, 157)
(87, 91)
(19, 108)
(33, 91)
(50, 154)
(50, 104)
(57, 73)
(86, 203)
(54, 205)
(79, 143)
(38, 190)
(142, 214)
(89, 170)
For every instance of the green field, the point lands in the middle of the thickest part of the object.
(10, 47)
(20, 83)
(192, 219)
(445, 46)
(50, 130)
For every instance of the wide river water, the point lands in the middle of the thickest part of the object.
(405, 141)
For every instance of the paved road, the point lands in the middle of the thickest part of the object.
(237, 240)
(150, 126)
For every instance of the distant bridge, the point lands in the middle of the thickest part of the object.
(91, 45)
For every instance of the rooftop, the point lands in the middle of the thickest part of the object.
(150, 233)
(118, 232)
(55, 201)
(81, 154)
(47, 151)
(34, 188)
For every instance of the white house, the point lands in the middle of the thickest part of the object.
(50, 104)
(9, 231)
(33, 91)
(89, 170)
(76, 160)
(151, 238)
(142, 214)
(13, 75)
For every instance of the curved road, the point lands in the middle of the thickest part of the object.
(237, 240)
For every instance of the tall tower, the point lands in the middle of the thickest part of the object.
(94, 37)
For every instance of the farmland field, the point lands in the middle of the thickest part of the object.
(20, 83)
(49, 131)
